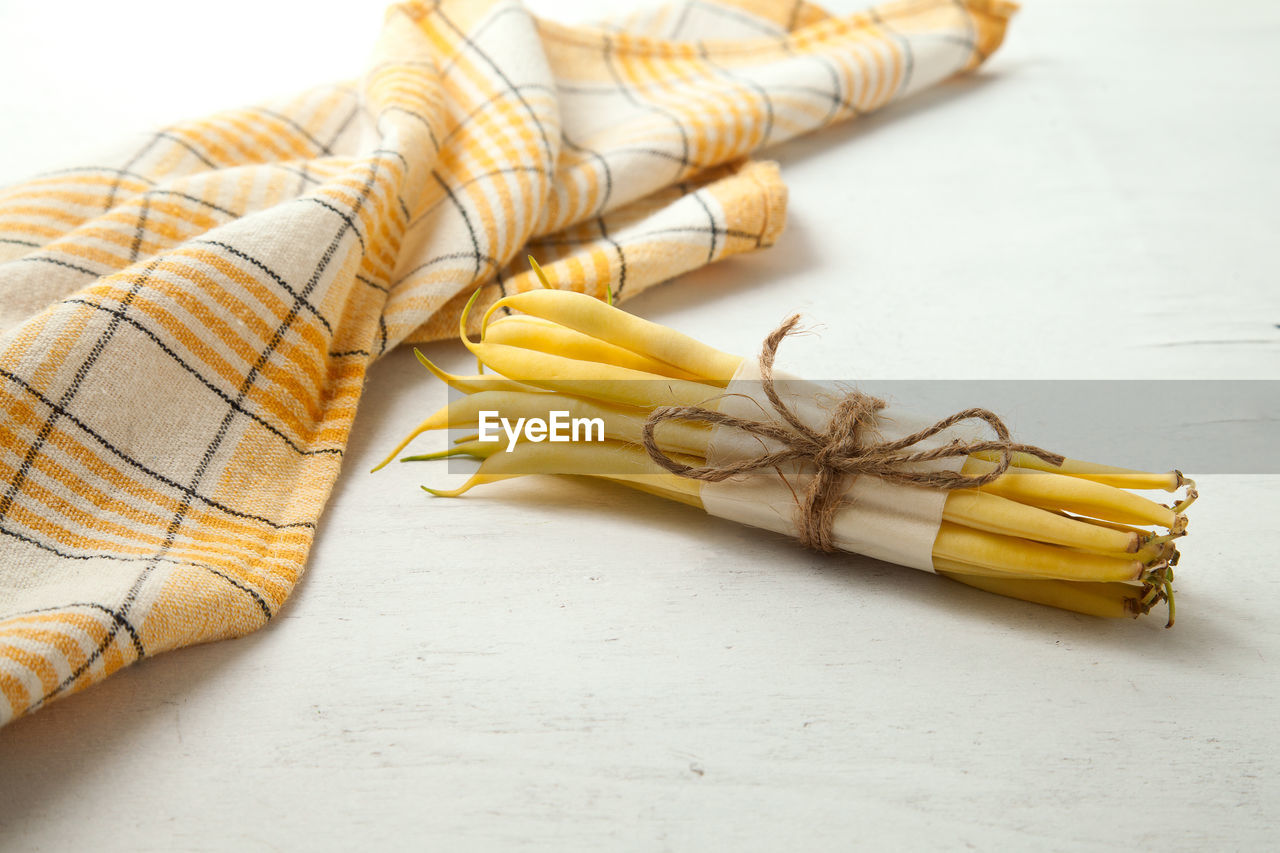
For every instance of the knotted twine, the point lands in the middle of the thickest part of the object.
(841, 451)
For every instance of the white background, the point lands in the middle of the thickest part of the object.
(565, 665)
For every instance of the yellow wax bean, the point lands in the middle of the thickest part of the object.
(597, 319)
(440, 419)
(473, 449)
(1107, 600)
(591, 379)
(995, 514)
(1021, 556)
(1068, 536)
(1073, 494)
(464, 413)
(535, 333)
(613, 460)
(621, 424)
(472, 384)
(1123, 478)
(658, 491)
(1112, 525)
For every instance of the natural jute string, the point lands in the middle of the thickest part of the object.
(838, 452)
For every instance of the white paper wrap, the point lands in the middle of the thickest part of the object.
(883, 520)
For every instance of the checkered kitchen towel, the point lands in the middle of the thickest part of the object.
(186, 315)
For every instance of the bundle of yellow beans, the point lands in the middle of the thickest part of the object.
(1063, 533)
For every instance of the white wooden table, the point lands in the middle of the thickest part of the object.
(564, 665)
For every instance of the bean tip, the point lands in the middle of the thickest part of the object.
(537, 270)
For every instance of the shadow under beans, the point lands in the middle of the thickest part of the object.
(1199, 636)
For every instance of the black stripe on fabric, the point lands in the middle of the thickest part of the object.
(509, 170)
(435, 142)
(651, 107)
(971, 30)
(711, 219)
(40, 259)
(745, 79)
(961, 41)
(820, 94)
(622, 258)
(211, 451)
(655, 152)
(300, 299)
(835, 97)
(691, 82)
(120, 315)
(304, 173)
(604, 166)
(382, 335)
(305, 178)
(155, 475)
(393, 153)
(404, 209)
(75, 170)
(657, 232)
(245, 588)
(471, 231)
(500, 283)
(494, 18)
(515, 90)
(177, 359)
(136, 247)
(682, 20)
(274, 277)
(21, 242)
(82, 372)
(191, 148)
(119, 558)
(462, 122)
(908, 56)
(345, 217)
(366, 280)
(281, 117)
(114, 614)
(112, 633)
(34, 449)
(451, 256)
(124, 170)
(342, 126)
(195, 200)
(425, 123)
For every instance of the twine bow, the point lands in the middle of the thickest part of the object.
(838, 452)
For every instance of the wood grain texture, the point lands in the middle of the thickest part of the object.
(561, 665)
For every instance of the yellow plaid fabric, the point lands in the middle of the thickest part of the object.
(182, 316)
